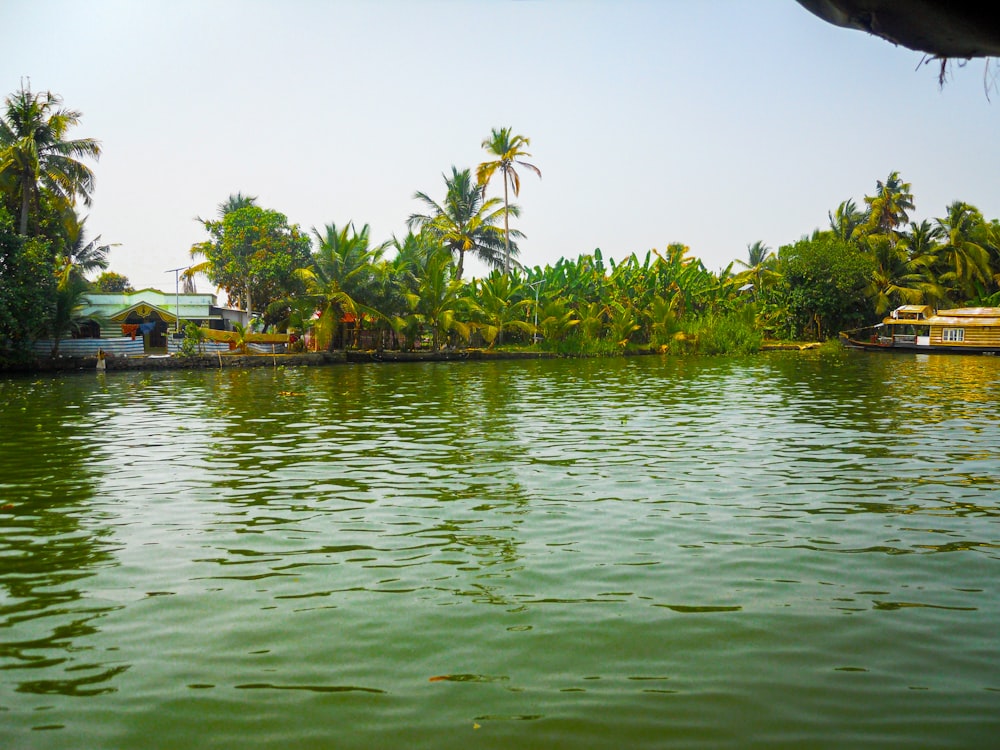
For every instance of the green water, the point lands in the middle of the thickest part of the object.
(792, 550)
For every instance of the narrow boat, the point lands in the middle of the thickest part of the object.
(965, 330)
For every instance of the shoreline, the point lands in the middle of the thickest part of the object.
(44, 365)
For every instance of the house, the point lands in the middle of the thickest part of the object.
(152, 314)
(116, 322)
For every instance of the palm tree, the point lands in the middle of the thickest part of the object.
(242, 338)
(70, 300)
(922, 239)
(340, 276)
(846, 219)
(888, 208)
(759, 267)
(499, 302)
(621, 323)
(36, 156)
(86, 256)
(757, 254)
(235, 202)
(556, 319)
(964, 249)
(437, 300)
(662, 319)
(897, 279)
(509, 150)
(466, 222)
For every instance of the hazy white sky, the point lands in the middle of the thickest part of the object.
(715, 123)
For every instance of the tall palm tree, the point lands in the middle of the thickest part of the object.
(510, 153)
(235, 202)
(846, 219)
(465, 222)
(888, 208)
(36, 156)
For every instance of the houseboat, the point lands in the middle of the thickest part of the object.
(966, 330)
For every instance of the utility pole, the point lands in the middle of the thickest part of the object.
(177, 295)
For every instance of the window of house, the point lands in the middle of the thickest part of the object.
(953, 334)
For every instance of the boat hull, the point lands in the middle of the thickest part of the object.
(896, 346)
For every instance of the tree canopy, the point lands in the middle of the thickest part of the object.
(36, 156)
(253, 254)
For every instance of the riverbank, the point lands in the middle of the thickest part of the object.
(229, 361)
(304, 359)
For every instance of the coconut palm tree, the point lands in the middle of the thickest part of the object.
(86, 256)
(70, 300)
(340, 277)
(846, 219)
(622, 323)
(964, 250)
(888, 208)
(499, 302)
(556, 319)
(36, 156)
(663, 321)
(437, 301)
(922, 239)
(759, 268)
(510, 153)
(466, 222)
(897, 279)
(233, 203)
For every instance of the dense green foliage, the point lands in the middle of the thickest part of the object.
(110, 282)
(823, 281)
(44, 252)
(342, 289)
(27, 285)
(253, 254)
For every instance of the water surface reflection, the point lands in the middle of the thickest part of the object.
(783, 550)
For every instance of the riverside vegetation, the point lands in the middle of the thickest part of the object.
(346, 290)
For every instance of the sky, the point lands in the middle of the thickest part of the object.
(713, 123)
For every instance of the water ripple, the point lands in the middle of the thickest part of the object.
(639, 552)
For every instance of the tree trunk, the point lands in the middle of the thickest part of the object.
(506, 228)
(25, 206)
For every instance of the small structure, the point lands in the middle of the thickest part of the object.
(115, 322)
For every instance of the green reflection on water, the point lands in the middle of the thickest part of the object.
(597, 553)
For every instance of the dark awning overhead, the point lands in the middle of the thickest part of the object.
(942, 28)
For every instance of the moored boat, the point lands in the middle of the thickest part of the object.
(965, 330)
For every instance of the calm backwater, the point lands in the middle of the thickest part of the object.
(790, 550)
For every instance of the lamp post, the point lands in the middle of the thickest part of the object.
(177, 295)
